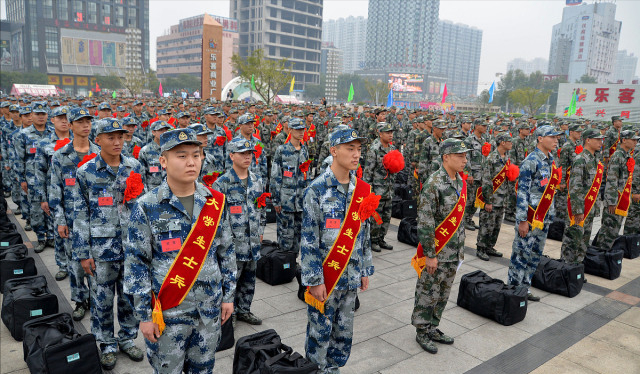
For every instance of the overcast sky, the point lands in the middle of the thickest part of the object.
(511, 28)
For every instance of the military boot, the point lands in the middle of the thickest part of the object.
(426, 343)
(80, 310)
(249, 318)
(375, 247)
(438, 336)
(108, 361)
(50, 243)
(133, 352)
(385, 245)
(480, 253)
(61, 275)
(469, 226)
(17, 212)
(40, 246)
(28, 227)
(493, 252)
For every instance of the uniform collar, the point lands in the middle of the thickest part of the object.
(199, 198)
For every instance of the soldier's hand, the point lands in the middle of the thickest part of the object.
(365, 283)
(45, 208)
(226, 310)
(579, 218)
(319, 292)
(88, 265)
(612, 209)
(24, 186)
(523, 228)
(431, 265)
(469, 179)
(561, 186)
(635, 197)
(63, 231)
(278, 209)
(488, 207)
(7, 168)
(150, 331)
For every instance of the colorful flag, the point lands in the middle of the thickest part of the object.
(253, 83)
(493, 87)
(114, 94)
(444, 93)
(572, 104)
(351, 93)
(573, 2)
(97, 87)
(160, 90)
(293, 82)
(390, 98)
(90, 93)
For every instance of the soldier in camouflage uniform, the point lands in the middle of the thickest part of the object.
(8, 155)
(474, 142)
(23, 121)
(193, 328)
(567, 155)
(438, 198)
(258, 166)
(632, 223)
(491, 215)
(149, 156)
(329, 335)
(101, 215)
(430, 159)
(522, 146)
(242, 189)
(583, 170)
(528, 243)
(617, 175)
(287, 184)
(5, 121)
(381, 183)
(131, 142)
(612, 139)
(184, 120)
(217, 142)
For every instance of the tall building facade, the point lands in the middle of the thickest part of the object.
(402, 34)
(180, 51)
(350, 36)
(75, 40)
(625, 70)
(585, 42)
(288, 29)
(331, 67)
(457, 59)
(528, 66)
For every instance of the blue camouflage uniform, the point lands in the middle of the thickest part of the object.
(259, 167)
(8, 157)
(149, 158)
(219, 152)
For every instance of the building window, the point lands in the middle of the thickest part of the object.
(119, 21)
(63, 11)
(133, 18)
(51, 42)
(35, 62)
(92, 12)
(78, 11)
(106, 14)
(47, 8)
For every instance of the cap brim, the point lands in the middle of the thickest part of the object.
(110, 131)
(363, 140)
(194, 142)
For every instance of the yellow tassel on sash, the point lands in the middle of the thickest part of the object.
(157, 316)
(309, 299)
(419, 264)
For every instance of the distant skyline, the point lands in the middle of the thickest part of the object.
(511, 28)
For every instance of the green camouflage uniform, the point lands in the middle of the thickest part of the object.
(567, 155)
(632, 224)
(491, 222)
(474, 165)
(381, 184)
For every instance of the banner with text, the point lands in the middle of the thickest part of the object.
(600, 102)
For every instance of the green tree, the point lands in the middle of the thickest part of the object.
(377, 90)
(270, 76)
(587, 79)
(109, 82)
(483, 100)
(9, 78)
(315, 91)
(152, 81)
(530, 99)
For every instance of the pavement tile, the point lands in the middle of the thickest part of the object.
(370, 325)
(402, 290)
(464, 318)
(520, 359)
(555, 339)
(631, 317)
(371, 300)
(540, 316)
(489, 340)
(619, 335)
(570, 304)
(623, 297)
(602, 357)
(559, 365)
(448, 360)
(373, 355)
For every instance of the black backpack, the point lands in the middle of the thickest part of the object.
(630, 244)
(558, 277)
(408, 231)
(556, 230)
(275, 266)
(16, 264)
(271, 212)
(264, 353)
(53, 346)
(25, 299)
(396, 207)
(605, 264)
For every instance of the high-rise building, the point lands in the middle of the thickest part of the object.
(585, 42)
(288, 29)
(402, 35)
(73, 41)
(625, 69)
(457, 59)
(350, 36)
(180, 51)
(330, 67)
(528, 66)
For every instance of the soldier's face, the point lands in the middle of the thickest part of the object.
(297, 134)
(593, 144)
(548, 143)
(466, 126)
(15, 116)
(455, 161)
(507, 145)
(60, 123)
(104, 113)
(110, 143)
(183, 122)
(130, 129)
(182, 163)
(39, 118)
(246, 129)
(380, 117)
(81, 127)
(241, 160)
(629, 144)
(347, 155)
(164, 117)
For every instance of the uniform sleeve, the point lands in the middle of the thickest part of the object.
(311, 258)
(367, 257)
(577, 189)
(369, 168)
(424, 162)
(81, 224)
(56, 188)
(613, 178)
(19, 162)
(40, 175)
(527, 169)
(427, 210)
(487, 180)
(227, 260)
(276, 178)
(137, 263)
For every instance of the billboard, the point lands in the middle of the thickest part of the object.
(600, 101)
(89, 48)
(406, 82)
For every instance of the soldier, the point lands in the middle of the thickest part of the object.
(566, 155)
(632, 223)
(430, 159)
(149, 156)
(281, 137)
(474, 142)
(101, 216)
(536, 184)
(289, 168)
(184, 120)
(612, 138)
(618, 184)
(180, 265)
(381, 183)
(217, 141)
(258, 166)
(443, 194)
(131, 144)
(8, 154)
(584, 178)
(494, 193)
(330, 231)
(243, 189)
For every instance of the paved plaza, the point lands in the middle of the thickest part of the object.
(597, 331)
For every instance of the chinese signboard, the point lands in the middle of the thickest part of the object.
(600, 101)
(211, 58)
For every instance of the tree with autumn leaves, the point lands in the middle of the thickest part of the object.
(269, 76)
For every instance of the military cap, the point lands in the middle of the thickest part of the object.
(267, 112)
(59, 111)
(14, 108)
(311, 111)
(504, 137)
(628, 126)
(39, 107)
(137, 102)
(452, 125)
(452, 145)
(440, 124)
(296, 124)
(616, 118)
(336, 121)
(233, 111)
(200, 129)
(183, 114)
(159, 125)
(458, 135)
(385, 127)
(298, 113)
(104, 106)
(240, 144)
(344, 134)
(575, 127)
(285, 119)
(380, 110)
(246, 118)
(109, 125)
(592, 134)
(163, 112)
(174, 138)
(479, 122)
(89, 104)
(628, 134)
(547, 130)
(346, 114)
(466, 120)
(54, 103)
(4, 104)
(77, 113)
(25, 110)
(209, 110)
(128, 121)
(119, 108)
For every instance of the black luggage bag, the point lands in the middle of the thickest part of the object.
(25, 299)
(228, 339)
(10, 237)
(52, 346)
(409, 208)
(16, 265)
(16, 249)
(491, 298)
(301, 289)
(271, 212)
(630, 244)
(396, 207)
(408, 231)
(556, 230)
(605, 264)
(275, 266)
(264, 353)
(558, 277)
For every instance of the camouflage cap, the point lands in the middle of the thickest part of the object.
(129, 121)
(504, 137)
(547, 130)
(298, 113)
(120, 108)
(39, 107)
(109, 125)
(380, 110)
(104, 106)
(201, 129)
(575, 127)
(440, 124)
(344, 134)
(209, 110)
(246, 119)
(452, 145)
(14, 108)
(174, 138)
(458, 134)
(182, 114)
(238, 145)
(25, 110)
(629, 134)
(78, 113)
(628, 126)
(385, 127)
(60, 111)
(54, 103)
(296, 124)
(616, 118)
(159, 125)
(592, 134)
(163, 112)
(4, 104)
(466, 120)
(137, 102)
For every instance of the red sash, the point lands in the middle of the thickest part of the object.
(614, 146)
(536, 217)
(589, 199)
(188, 263)
(497, 182)
(624, 198)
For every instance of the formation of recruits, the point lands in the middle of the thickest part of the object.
(163, 203)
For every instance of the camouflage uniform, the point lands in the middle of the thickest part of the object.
(218, 152)
(149, 157)
(520, 150)
(329, 335)
(17, 167)
(381, 184)
(632, 223)
(259, 167)
(129, 146)
(474, 165)
(430, 159)
(567, 155)
(8, 158)
(491, 222)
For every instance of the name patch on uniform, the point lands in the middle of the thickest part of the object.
(154, 169)
(544, 182)
(70, 182)
(32, 150)
(170, 245)
(105, 201)
(237, 209)
(332, 223)
(288, 173)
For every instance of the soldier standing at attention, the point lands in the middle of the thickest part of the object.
(537, 184)
(586, 174)
(474, 142)
(430, 159)
(494, 193)
(632, 223)
(567, 154)
(381, 183)
(180, 265)
(258, 166)
(149, 156)
(617, 190)
(289, 169)
(336, 252)
(101, 216)
(441, 243)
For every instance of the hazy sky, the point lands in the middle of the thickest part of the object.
(511, 28)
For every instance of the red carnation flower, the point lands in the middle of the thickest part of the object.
(145, 124)
(210, 178)
(368, 208)
(486, 149)
(393, 162)
(579, 149)
(136, 151)
(359, 172)
(220, 140)
(134, 186)
(631, 163)
(86, 159)
(258, 151)
(261, 201)
(304, 167)
(512, 172)
(558, 152)
(61, 143)
(228, 133)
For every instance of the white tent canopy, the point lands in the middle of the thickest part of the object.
(34, 90)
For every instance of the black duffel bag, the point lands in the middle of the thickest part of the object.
(558, 277)
(491, 298)
(228, 339)
(270, 211)
(264, 353)
(25, 299)
(16, 265)
(10, 237)
(408, 231)
(301, 289)
(556, 230)
(605, 264)
(409, 208)
(53, 346)
(396, 207)
(630, 244)
(16, 249)
(275, 266)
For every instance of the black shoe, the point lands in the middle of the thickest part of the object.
(357, 303)
(249, 318)
(477, 226)
(28, 227)
(532, 297)
(17, 212)
(134, 353)
(481, 255)
(509, 219)
(584, 279)
(493, 252)
(39, 247)
(7, 194)
(49, 243)
(385, 245)
(375, 247)
(61, 275)
(80, 310)
(470, 226)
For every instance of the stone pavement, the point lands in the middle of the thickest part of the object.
(597, 331)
